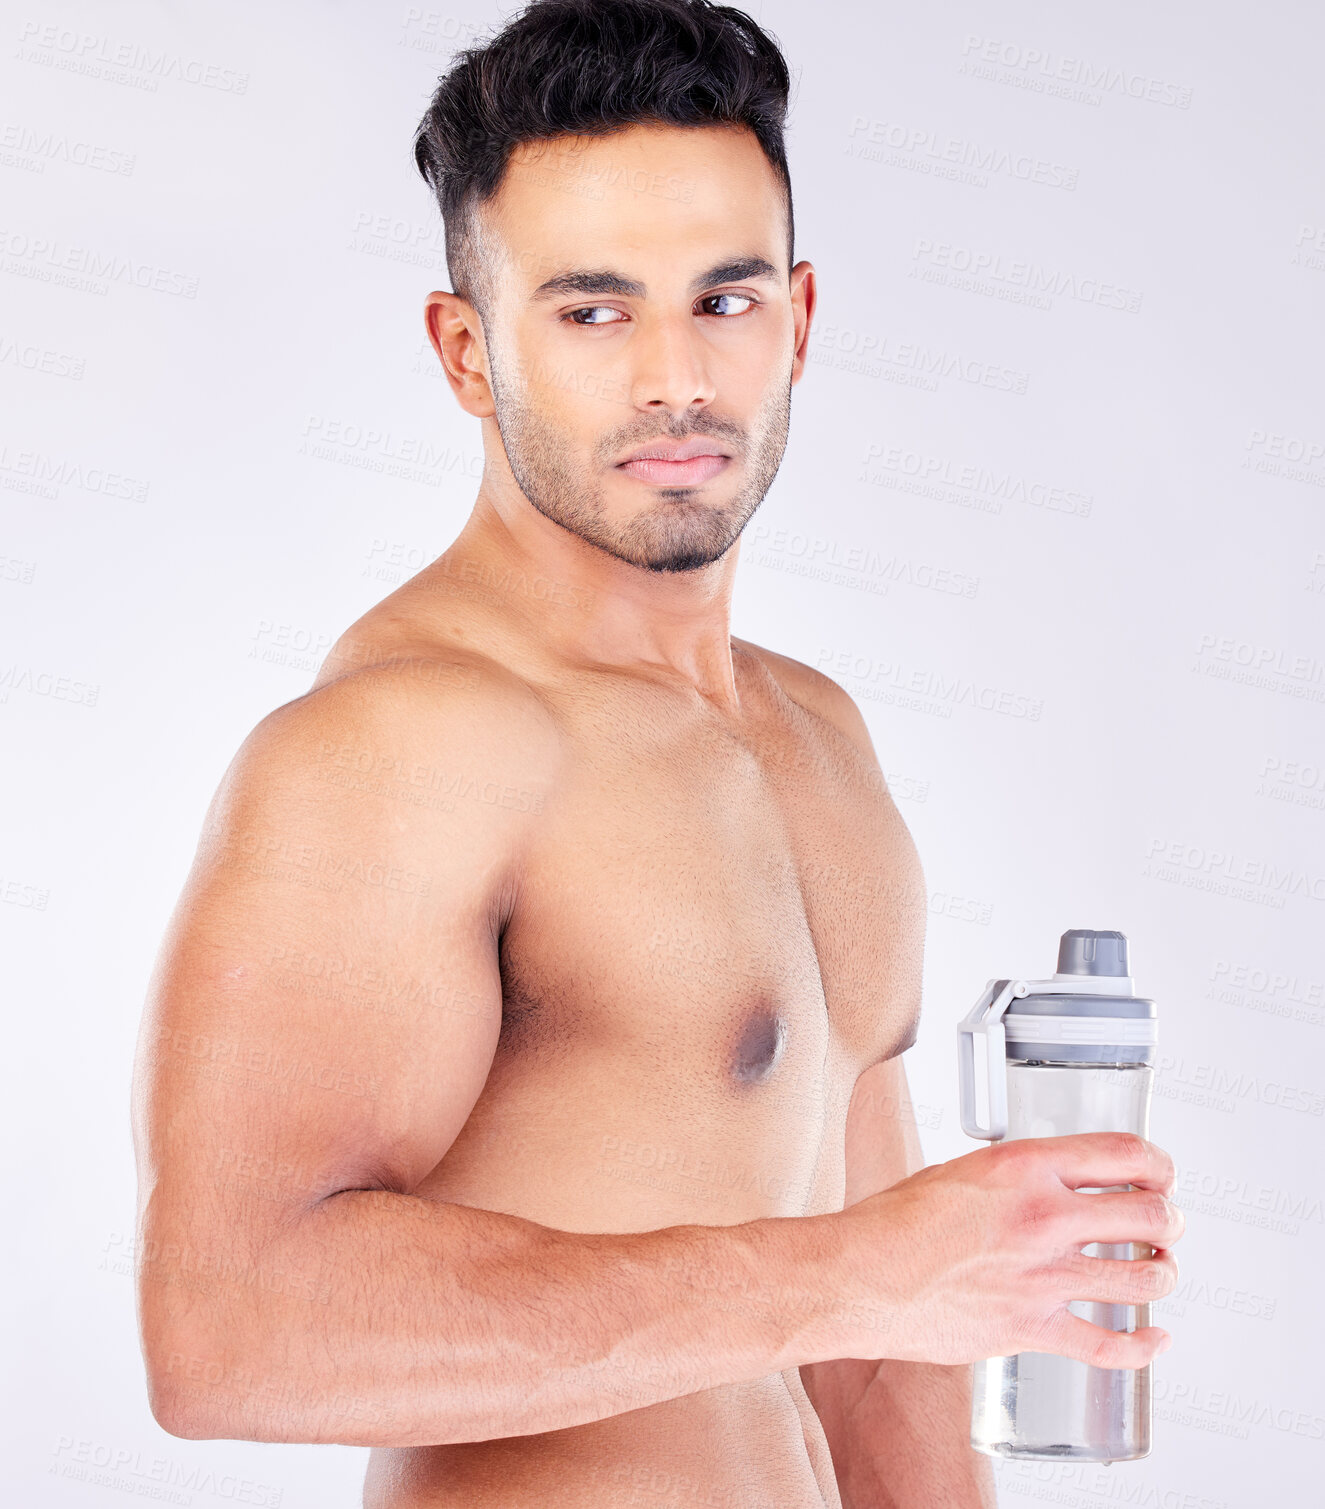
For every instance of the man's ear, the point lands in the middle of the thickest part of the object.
(456, 333)
(804, 295)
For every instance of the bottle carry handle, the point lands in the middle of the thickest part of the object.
(986, 1018)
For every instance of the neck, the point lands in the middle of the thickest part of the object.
(586, 606)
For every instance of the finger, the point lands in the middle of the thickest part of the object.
(1101, 1158)
(1070, 1336)
(1142, 1215)
(1120, 1281)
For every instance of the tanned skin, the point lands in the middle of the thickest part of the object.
(520, 1092)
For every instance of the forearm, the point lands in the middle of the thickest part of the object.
(900, 1434)
(414, 1322)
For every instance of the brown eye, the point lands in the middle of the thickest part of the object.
(728, 298)
(589, 313)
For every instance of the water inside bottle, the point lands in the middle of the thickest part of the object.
(1036, 1404)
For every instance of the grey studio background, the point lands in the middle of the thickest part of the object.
(1051, 510)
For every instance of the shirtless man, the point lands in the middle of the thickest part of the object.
(520, 1091)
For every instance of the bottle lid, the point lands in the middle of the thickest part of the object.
(1047, 1024)
(1083, 951)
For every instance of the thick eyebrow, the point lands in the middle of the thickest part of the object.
(740, 270)
(589, 283)
(603, 281)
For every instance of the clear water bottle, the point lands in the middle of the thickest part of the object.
(1065, 1055)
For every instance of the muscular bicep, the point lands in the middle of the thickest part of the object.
(327, 1001)
(882, 1143)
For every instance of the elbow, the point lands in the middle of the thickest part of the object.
(198, 1389)
(208, 1365)
(201, 1390)
(176, 1422)
(178, 1408)
(174, 1347)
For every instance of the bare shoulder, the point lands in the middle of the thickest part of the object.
(415, 745)
(817, 693)
(427, 694)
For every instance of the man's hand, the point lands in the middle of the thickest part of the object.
(980, 1256)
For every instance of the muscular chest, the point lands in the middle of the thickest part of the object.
(745, 906)
(713, 935)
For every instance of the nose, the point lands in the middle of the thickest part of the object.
(670, 367)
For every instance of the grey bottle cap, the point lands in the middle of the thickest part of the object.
(1083, 951)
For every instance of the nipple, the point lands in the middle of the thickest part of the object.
(759, 1046)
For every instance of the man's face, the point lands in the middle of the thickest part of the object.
(638, 301)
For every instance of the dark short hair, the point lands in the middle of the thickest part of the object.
(590, 67)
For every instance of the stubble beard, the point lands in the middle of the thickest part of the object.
(674, 531)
